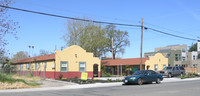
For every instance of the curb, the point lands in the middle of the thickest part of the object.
(95, 85)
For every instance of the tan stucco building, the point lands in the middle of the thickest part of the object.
(69, 63)
(156, 63)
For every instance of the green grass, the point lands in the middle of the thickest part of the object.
(8, 79)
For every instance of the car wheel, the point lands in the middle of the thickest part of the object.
(140, 81)
(158, 81)
(169, 75)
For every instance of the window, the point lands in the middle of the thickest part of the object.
(173, 68)
(29, 66)
(183, 58)
(168, 55)
(194, 57)
(176, 57)
(152, 72)
(22, 66)
(198, 56)
(82, 66)
(108, 69)
(195, 65)
(179, 55)
(164, 66)
(177, 68)
(63, 66)
(181, 68)
(15, 67)
(39, 65)
(26, 66)
(35, 66)
(183, 49)
(156, 67)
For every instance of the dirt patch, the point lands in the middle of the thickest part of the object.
(17, 85)
(26, 77)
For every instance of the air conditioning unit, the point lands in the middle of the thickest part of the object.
(53, 66)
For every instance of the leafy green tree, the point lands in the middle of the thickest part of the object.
(96, 38)
(193, 48)
(88, 35)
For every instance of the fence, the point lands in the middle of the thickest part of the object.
(191, 70)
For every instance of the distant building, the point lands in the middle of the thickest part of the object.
(156, 63)
(172, 52)
(179, 56)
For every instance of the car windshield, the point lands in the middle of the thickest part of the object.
(168, 68)
(138, 73)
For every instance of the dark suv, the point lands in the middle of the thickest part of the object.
(172, 71)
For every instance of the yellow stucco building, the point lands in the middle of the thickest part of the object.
(156, 63)
(69, 63)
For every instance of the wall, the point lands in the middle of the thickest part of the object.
(40, 70)
(73, 55)
(171, 58)
(157, 59)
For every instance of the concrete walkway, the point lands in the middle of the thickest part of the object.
(77, 86)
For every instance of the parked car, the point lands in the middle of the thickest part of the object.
(143, 76)
(172, 71)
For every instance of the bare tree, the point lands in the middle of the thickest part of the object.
(7, 26)
(19, 56)
(120, 40)
(44, 52)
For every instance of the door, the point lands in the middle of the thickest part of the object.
(95, 70)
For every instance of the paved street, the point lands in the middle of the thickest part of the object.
(187, 88)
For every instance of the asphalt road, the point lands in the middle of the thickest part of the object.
(187, 88)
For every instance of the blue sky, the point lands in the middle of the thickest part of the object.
(45, 32)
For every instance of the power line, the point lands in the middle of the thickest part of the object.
(94, 21)
(65, 10)
(170, 29)
(171, 34)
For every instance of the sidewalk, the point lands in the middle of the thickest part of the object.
(77, 86)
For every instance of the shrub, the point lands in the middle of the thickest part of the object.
(106, 74)
(109, 80)
(76, 78)
(90, 81)
(123, 74)
(118, 80)
(64, 79)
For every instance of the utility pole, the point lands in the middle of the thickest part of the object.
(141, 44)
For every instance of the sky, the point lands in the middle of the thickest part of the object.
(179, 17)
